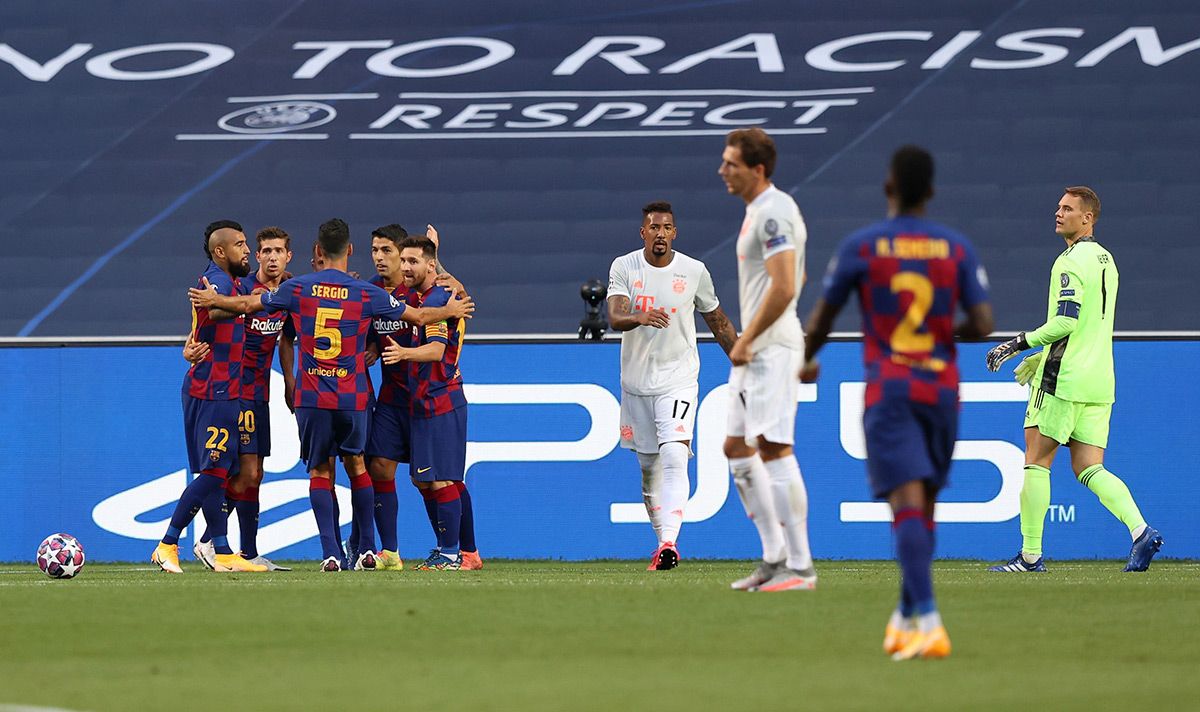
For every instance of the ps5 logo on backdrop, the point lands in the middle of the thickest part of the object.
(122, 512)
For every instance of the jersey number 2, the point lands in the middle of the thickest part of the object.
(323, 330)
(905, 338)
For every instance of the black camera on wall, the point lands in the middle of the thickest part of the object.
(593, 325)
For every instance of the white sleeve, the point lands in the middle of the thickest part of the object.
(618, 281)
(706, 295)
(778, 233)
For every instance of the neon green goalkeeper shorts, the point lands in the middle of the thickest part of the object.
(1063, 420)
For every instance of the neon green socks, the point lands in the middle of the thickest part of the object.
(1113, 494)
(1035, 500)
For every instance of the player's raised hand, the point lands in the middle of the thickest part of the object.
(741, 353)
(999, 354)
(195, 351)
(461, 308)
(432, 233)
(456, 287)
(810, 371)
(658, 318)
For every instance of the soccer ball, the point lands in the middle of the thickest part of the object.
(60, 556)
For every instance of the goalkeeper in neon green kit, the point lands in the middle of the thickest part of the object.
(1072, 386)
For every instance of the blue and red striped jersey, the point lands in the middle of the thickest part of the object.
(394, 388)
(910, 273)
(262, 332)
(436, 386)
(219, 376)
(335, 311)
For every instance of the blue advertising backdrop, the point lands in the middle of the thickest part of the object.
(93, 446)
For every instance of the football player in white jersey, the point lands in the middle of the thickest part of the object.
(766, 357)
(653, 294)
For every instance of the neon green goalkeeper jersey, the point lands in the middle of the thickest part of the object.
(1079, 366)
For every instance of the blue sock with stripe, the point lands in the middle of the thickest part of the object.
(914, 552)
(190, 502)
(320, 495)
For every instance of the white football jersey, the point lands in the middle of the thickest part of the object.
(657, 361)
(773, 225)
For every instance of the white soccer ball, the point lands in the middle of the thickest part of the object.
(60, 556)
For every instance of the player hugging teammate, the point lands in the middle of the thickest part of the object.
(333, 313)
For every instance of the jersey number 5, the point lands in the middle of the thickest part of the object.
(905, 338)
(324, 331)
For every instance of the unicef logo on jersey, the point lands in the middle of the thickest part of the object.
(278, 117)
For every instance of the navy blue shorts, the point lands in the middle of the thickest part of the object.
(330, 433)
(211, 430)
(439, 447)
(256, 428)
(909, 441)
(390, 433)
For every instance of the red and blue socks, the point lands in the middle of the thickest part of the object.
(466, 530)
(320, 495)
(448, 506)
(362, 499)
(914, 553)
(387, 509)
(246, 505)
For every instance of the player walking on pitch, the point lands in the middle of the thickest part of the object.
(653, 294)
(909, 273)
(1073, 387)
(766, 357)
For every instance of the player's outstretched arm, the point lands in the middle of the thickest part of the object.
(455, 309)
(721, 328)
(820, 324)
(393, 353)
(622, 318)
(978, 325)
(208, 298)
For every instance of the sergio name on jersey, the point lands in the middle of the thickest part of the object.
(658, 361)
(772, 225)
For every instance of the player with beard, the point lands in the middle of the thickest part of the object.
(212, 405)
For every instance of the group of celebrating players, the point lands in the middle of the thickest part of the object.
(408, 316)
(910, 274)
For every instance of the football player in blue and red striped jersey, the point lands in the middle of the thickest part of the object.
(388, 442)
(273, 252)
(910, 274)
(438, 425)
(212, 404)
(332, 393)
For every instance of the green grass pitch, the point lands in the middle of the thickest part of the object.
(523, 635)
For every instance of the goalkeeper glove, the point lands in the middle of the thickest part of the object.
(1027, 368)
(1005, 351)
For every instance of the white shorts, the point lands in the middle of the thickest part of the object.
(762, 397)
(650, 421)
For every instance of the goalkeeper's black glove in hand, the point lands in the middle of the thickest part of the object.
(1005, 351)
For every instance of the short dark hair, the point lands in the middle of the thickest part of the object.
(658, 206)
(273, 233)
(1091, 201)
(757, 147)
(428, 249)
(218, 225)
(334, 236)
(912, 175)
(394, 232)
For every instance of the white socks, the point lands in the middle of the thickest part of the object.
(674, 489)
(652, 473)
(791, 507)
(754, 487)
